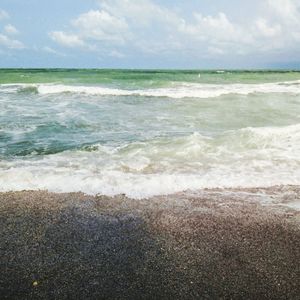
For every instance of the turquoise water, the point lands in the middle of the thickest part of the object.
(145, 133)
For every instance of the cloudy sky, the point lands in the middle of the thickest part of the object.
(150, 33)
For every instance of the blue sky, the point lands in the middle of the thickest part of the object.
(150, 33)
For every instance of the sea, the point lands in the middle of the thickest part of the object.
(148, 132)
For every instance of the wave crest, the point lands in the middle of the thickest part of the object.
(176, 90)
(248, 157)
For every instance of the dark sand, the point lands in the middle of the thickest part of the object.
(216, 244)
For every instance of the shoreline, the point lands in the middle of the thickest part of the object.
(213, 243)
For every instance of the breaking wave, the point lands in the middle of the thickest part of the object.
(176, 90)
(247, 157)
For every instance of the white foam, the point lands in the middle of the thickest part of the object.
(11, 88)
(183, 90)
(250, 157)
(177, 90)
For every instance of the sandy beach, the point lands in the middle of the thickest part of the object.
(210, 244)
(150, 150)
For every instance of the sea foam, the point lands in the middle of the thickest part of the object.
(175, 90)
(248, 157)
(183, 90)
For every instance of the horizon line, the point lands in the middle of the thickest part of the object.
(158, 69)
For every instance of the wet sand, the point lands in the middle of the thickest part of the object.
(213, 244)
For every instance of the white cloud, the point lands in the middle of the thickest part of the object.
(267, 30)
(66, 39)
(142, 13)
(6, 41)
(286, 10)
(158, 30)
(215, 30)
(143, 26)
(285, 14)
(10, 43)
(3, 14)
(100, 25)
(10, 29)
(278, 26)
(52, 51)
(95, 26)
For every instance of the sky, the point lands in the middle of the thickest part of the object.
(173, 34)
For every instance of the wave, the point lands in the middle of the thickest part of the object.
(176, 90)
(248, 157)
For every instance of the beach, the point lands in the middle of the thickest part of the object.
(149, 184)
(240, 243)
(150, 150)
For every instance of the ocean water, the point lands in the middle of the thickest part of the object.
(145, 133)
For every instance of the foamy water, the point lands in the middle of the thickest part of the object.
(176, 90)
(161, 135)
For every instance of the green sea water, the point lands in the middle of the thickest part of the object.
(148, 132)
(146, 78)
